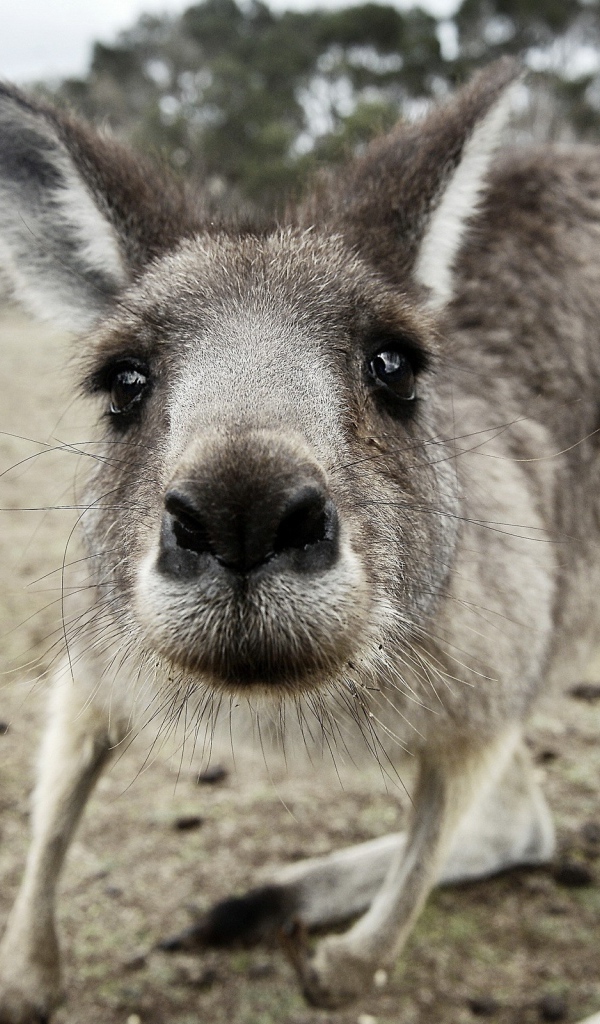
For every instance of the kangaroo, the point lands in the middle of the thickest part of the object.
(351, 455)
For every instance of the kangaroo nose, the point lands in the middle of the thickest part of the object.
(297, 526)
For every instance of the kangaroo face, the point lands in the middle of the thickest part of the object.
(269, 404)
(273, 505)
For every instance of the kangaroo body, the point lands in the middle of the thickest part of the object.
(357, 460)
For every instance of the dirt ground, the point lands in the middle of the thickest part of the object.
(518, 949)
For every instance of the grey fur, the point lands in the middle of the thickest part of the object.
(433, 559)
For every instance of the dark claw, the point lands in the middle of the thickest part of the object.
(293, 939)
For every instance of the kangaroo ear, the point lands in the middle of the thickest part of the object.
(59, 249)
(407, 202)
(480, 114)
(79, 215)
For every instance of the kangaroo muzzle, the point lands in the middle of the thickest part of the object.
(250, 572)
(248, 523)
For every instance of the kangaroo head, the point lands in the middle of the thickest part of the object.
(272, 404)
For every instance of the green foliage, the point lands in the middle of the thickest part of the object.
(251, 101)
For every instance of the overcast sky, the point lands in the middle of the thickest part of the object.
(45, 39)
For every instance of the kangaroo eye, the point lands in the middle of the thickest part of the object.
(127, 388)
(392, 369)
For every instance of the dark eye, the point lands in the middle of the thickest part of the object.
(393, 369)
(127, 388)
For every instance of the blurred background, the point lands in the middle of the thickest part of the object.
(250, 97)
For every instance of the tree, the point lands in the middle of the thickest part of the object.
(251, 101)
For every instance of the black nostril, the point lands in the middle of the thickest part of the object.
(307, 519)
(295, 528)
(188, 524)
